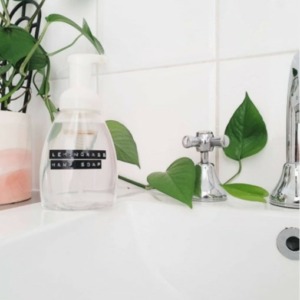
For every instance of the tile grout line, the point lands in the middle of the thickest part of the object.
(262, 55)
(97, 19)
(200, 62)
(217, 80)
(220, 60)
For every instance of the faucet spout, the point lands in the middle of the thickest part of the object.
(287, 191)
(292, 118)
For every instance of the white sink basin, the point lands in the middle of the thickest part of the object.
(144, 249)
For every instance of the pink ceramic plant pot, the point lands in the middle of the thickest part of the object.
(15, 157)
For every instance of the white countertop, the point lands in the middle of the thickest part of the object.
(27, 217)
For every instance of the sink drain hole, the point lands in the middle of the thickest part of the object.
(293, 243)
(288, 243)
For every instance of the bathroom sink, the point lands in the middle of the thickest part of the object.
(148, 247)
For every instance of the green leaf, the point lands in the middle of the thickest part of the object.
(16, 43)
(246, 130)
(178, 181)
(124, 143)
(55, 130)
(42, 85)
(246, 191)
(5, 68)
(85, 30)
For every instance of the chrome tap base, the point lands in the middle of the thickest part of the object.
(286, 193)
(211, 190)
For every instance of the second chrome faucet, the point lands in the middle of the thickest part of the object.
(287, 191)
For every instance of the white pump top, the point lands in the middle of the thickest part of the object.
(81, 94)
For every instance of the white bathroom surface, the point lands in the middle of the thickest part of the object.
(147, 247)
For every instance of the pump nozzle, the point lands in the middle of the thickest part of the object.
(81, 94)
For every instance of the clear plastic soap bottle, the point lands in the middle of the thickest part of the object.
(78, 165)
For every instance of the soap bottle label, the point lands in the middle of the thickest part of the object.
(76, 159)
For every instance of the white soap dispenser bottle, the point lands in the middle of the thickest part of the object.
(78, 165)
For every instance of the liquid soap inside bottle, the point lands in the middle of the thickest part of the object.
(80, 169)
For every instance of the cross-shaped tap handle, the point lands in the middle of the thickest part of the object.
(205, 141)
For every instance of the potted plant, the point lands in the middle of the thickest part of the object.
(24, 63)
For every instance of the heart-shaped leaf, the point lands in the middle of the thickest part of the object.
(16, 43)
(246, 191)
(125, 145)
(246, 130)
(178, 181)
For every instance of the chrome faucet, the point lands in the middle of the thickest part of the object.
(287, 191)
(210, 186)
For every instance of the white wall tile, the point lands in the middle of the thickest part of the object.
(60, 34)
(160, 107)
(266, 81)
(252, 27)
(145, 34)
(163, 104)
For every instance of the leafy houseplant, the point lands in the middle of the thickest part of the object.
(23, 59)
(21, 53)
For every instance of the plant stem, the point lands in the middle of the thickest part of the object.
(6, 13)
(38, 9)
(235, 175)
(141, 185)
(66, 47)
(1, 17)
(8, 95)
(29, 55)
(8, 82)
(45, 95)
